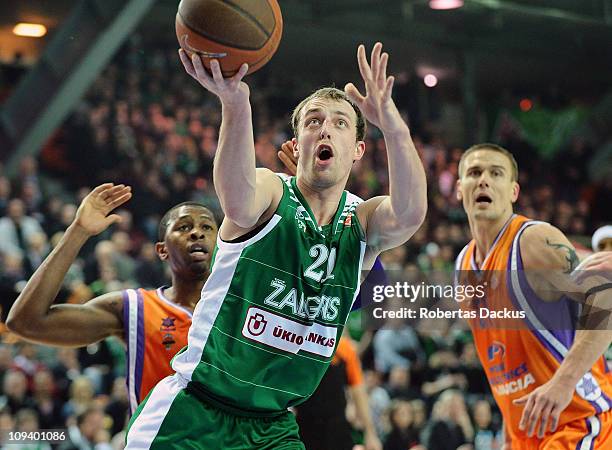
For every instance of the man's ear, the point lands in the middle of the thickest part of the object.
(359, 150)
(516, 189)
(458, 189)
(296, 152)
(162, 252)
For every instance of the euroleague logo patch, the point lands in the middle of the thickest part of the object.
(288, 335)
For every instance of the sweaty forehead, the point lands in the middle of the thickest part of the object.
(330, 106)
(486, 158)
(195, 212)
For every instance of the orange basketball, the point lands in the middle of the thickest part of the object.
(234, 32)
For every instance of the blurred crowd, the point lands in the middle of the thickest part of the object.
(147, 124)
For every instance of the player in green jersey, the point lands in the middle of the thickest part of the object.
(287, 265)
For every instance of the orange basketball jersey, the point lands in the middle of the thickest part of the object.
(155, 330)
(525, 352)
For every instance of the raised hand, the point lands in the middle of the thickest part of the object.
(377, 105)
(229, 90)
(285, 154)
(93, 213)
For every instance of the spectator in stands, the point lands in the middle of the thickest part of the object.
(378, 398)
(419, 414)
(6, 361)
(487, 435)
(26, 360)
(149, 270)
(26, 421)
(81, 397)
(450, 427)
(7, 423)
(16, 229)
(88, 433)
(403, 434)
(400, 385)
(15, 388)
(118, 406)
(602, 239)
(443, 373)
(396, 344)
(66, 369)
(5, 194)
(35, 253)
(12, 276)
(48, 408)
(123, 261)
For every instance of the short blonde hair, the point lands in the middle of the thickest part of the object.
(333, 94)
(493, 148)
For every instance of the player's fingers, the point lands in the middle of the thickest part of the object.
(113, 218)
(534, 417)
(526, 413)
(593, 263)
(364, 68)
(375, 59)
(110, 192)
(353, 93)
(120, 200)
(187, 64)
(238, 76)
(544, 421)
(287, 149)
(382, 70)
(520, 401)
(554, 419)
(288, 163)
(119, 194)
(388, 88)
(113, 191)
(201, 74)
(99, 189)
(215, 68)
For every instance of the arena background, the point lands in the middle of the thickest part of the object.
(103, 97)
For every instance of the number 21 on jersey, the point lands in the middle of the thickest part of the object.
(321, 255)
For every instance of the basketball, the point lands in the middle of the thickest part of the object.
(234, 32)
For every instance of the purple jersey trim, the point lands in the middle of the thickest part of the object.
(140, 342)
(126, 337)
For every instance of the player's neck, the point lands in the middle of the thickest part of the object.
(323, 202)
(184, 292)
(485, 232)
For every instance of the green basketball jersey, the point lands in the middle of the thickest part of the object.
(274, 307)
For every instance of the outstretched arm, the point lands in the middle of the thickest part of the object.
(245, 193)
(389, 220)
(550, 258)
(33, 315)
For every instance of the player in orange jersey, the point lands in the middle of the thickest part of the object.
(548, 378)
(153, 324)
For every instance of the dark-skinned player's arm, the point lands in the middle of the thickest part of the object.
(389, 220)
(549, 256)
(35, 318)
(287, 157)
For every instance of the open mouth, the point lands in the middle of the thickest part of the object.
(483, 199)
(324, 152)
(198, 251)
